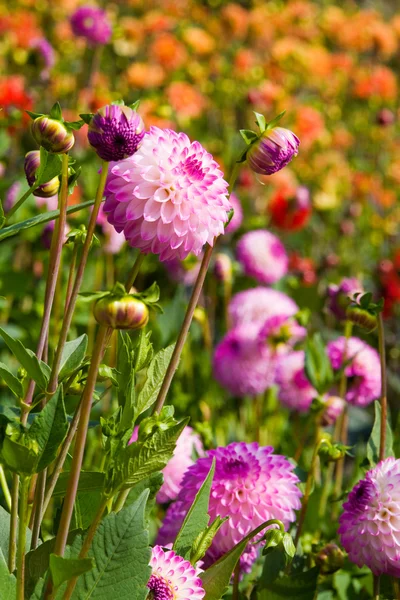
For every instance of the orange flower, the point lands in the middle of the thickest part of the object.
(186, 101)
(199, 40)
(21, 26)
(245, 60)
(168, 52)
(377, 81)
(309, 125)
(237, 19)
(145, 76)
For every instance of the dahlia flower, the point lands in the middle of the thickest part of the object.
(370, 523)
(173, 577)
(237, 218)
(295, 391)
(91, 23)
(257, 304)
(45, 52)
(262, 256)
(274, 149)
(243, 363)
(339, 296)
(333, 409)
(169, 198)
(31, 165)
(363, 373)
(251, 485)
(282, 333)
(115, 132)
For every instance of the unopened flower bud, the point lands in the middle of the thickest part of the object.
(31, 165)
(339, 296)
(52, 135)
(223, 268)
(121, 312)
(385, 117)
(273, 150)
(332, 452)
(361, 317)
(333, 408)
(116, 132)
(330, 559)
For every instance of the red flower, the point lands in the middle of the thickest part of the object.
(290, 210)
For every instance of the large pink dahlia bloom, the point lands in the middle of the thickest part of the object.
(169, 198)
(262, 256)
(370, 523)
(258, 304)
(364, 374)
(173, 577)
(251, 485)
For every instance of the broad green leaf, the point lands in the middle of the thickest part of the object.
(300, 586)
(85, 509)
(143, 350)
(27, 359)
(52, 169)
(18, 457)
(8, 583)
(49, 429)
(39, 219)
(152, 484)
(89, 481)
(274, 562)
(5, 533)
(196, 519)
(374, 440)
(12, 382)
(121, 552)
(73, 355)
(155, 376)
(63, 569)
(216, 579)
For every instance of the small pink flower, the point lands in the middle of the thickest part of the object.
(257, 304)
(262, 256)
(173, 577)
(295, 391)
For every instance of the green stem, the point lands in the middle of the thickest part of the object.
(4, 487)
(22, 528)
(20, 202)
(12, 547)
(307, 491)
(377, 587)
(71, 274)
(382, 354)
(133, 273)
(122, 496)
(37, 508)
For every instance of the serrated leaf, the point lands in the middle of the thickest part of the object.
(299, 586)
(89, 481)
(196, 519)
(13, 383)
(121, 553)
(155, 376)
(143, 350)
(72, 355)
(63, 569)
(28, 360)
(8, 583)
(375, 437)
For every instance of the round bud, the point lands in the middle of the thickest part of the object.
(272, 151)
(330, 559)
(361, 317)
(52, 135)
(31, 165)
(121, 312)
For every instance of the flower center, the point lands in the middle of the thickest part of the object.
(192, 168)
(159, 588)
(236, 466)
(362, 496)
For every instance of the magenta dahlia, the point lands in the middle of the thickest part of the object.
(173, 577)
(91, 22)
(363, 373)
(339, 296)
(169, 198)
(262, 256)
(295, 391)
(370, 523)
(251, 485)
(243, 363)
(257, 304)
(274, 149)
(282, 333)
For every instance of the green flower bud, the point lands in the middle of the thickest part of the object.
(330, 559)
(121, 312)
(361, 317)
(52, 135)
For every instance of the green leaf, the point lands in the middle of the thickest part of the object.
(204, 540)
(90, 296)
(73, 355)
(134, 105)
(143, 350)
(44, 154)
(374, 440)
(89, 481)
(8, 583)
(86, 117)
(12, 382)
(276, 120)
(317, 364)
(49, 429)
(249, 136)
(106, 372)
(56, 112)
(51, 169)
(261, 121)
(121, 552)
(216, 579)
(39, 219)
(19, 457)
(155, 376)
(153, 484)
(5, 533)
(274, 563)
(27, 359)
(2, 216)
(63, 569)
(196, 519)
(300, 586)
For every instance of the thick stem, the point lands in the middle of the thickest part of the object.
(22, 527)
(38, 504)
(71, 274)
(13, 523)
(78, 281)
(4, 487)
(133, 273)
(77, 459)
(382, 354)
(377, 587)
(184, 330)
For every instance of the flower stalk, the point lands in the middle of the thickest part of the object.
(22, 529)
(382, 354)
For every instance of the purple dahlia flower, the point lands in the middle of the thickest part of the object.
(169, 198)
(257, 304)
(274, 149)
(370, 523)
(363, 373)
(91, 23)
(251, 485)
(115, 132)
(45, 51)
(262, 256)
(339, 296)
(173, 577)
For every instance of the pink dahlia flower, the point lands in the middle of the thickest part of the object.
(169, 198)
(91, 23)
(257, 304)
(262, 256)
(363, 373)
(333, 409)
(237, 218)
(370, 523)
(188, 443)
(243, 363)
(251, 485)
(282, 333)
(173, 577)
(274, 149)
(295, 391)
